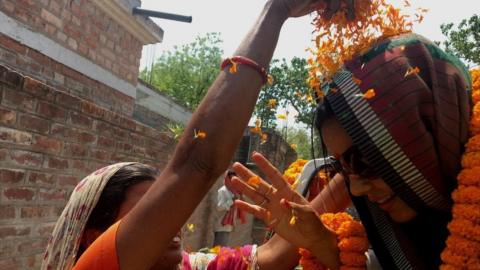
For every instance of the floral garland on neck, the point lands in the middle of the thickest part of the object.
(351, 237)
(462, 249)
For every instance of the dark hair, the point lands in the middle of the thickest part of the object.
(322, 113)
(106, 210)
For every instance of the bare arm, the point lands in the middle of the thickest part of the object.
(278, 253)
(223, 115)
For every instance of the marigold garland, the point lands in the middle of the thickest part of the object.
(351, 240)
(462, 249)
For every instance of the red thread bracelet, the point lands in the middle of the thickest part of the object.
(248, 62)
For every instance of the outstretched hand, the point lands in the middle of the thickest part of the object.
(280, 207)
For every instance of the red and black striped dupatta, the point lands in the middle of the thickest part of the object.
(412, 132)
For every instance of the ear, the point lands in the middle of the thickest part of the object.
(89, 236)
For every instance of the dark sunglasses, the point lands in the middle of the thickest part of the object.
(353, 162)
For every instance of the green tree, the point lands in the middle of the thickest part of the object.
(464, 39)
(302, 141)
(289, 89)
(186, 72)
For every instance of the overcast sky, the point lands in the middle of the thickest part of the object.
(233, 18)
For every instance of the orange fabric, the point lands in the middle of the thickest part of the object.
(102, 254)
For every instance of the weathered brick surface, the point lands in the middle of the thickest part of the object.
(48, 73)
(49, 141)
(79, 26)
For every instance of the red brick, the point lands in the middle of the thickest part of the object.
(49, 195)
(19, 194)
(9, 230)
(68, 101)
(10, 263)
(72, 135)
(47, 144)
(36, 212)
(81, 166)
(49, 17)
(68, 181)
(26, 158)
(12, 44)
(7, 212)
(80, 120)
(3, 154)
(45, 229)
(41, 179)
(124, 147)
(33, 246)
(92, 109)
(75, 150)
(32, 123)
(16, 99)
(10, 176)
(105, 142)
(7, 117)
(57, 163)
(51, 111)
(99, 154)
(15, 136)
(38, 89)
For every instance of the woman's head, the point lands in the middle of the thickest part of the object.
(97, 202)
(363, 181)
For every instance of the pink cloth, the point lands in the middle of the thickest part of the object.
(227, 259)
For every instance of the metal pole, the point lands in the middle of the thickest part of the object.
(162, 15)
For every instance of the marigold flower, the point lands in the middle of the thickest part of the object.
(466, 194)
(352, 258)
(215, 249)
(473, 144)
(469, 177)
(471, 159)
(463, 246)
(353, 244)
(466, 211)
(465, 228)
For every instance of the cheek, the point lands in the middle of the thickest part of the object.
(380, 185)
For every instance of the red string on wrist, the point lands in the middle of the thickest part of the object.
(234, 60)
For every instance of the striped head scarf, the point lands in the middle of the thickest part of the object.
(64, 243)
(412, 133)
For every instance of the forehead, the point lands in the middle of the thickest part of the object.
(335, 137)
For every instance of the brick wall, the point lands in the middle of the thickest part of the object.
(49, 140)
(82, 27)
(53, 73)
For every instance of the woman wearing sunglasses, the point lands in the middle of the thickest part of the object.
(399, 151)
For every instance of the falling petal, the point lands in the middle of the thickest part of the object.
(270, 79)
(282, 116)
(199, 135)
(233, 68)
(412, 71)
(293, 146)
(293, 220)
(254, 181)
(272, 103)
(191, 227)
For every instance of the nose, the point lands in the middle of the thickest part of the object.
(358, 186)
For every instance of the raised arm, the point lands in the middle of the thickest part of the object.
(197, 162)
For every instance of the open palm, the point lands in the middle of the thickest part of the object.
(273, 204)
